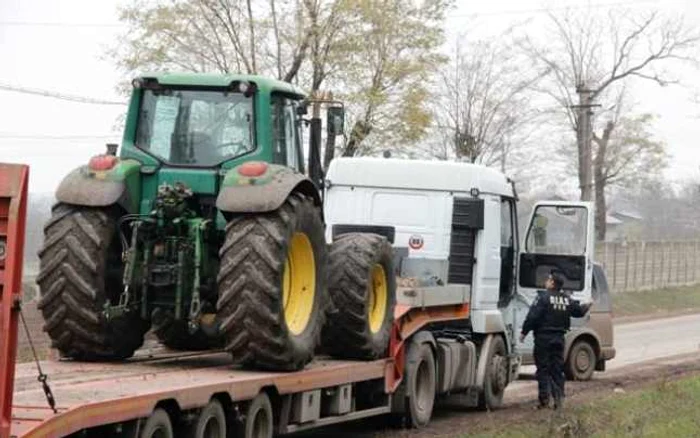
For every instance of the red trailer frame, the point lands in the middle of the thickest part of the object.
(13, 216)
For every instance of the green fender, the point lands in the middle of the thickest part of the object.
(262, 193)
(119, 185)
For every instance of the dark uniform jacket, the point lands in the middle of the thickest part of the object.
(551, 313)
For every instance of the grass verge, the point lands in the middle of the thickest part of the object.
(664, 409)
(658, 301)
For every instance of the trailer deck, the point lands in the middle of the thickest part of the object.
(93, 394)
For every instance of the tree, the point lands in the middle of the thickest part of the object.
(223, 36)
(484, 107)
(385, 78)
(625, 152)
(589, 55)
(377, 54)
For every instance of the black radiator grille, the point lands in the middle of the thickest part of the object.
(467, 220)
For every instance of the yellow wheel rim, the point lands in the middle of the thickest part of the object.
(299, 284)
(377, 298)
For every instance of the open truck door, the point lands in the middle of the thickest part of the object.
(560, 236)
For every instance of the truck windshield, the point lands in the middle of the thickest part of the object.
(195, 127)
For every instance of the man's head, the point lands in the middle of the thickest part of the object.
(555, 281)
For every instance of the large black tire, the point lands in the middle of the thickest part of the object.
(421, 384)
(496, 375)
(80, 268)
(258, 420)
(210, 423)
(157, 425)
(270, 320)
(362, 288)
(581, 361)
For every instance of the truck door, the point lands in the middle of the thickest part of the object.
(560, 236)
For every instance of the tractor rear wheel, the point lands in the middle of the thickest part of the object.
(362, 287)
(80, 269)
(272, 286)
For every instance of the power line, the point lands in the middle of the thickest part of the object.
(558, 8)
(61, 96)
(57, 24)
(14, 136)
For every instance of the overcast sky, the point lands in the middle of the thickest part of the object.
(60, 45)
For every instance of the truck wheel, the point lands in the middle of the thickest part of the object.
(80, 268)
(258, 418)
(211, 422)
(362, 286)
(421, 384)
(496, 376)
(272, 286)
(158, 425)
(581, 361)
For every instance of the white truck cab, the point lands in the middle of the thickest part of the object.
(455, 225)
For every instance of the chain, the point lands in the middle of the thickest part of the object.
(42, 378)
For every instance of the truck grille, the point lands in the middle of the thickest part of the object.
(467, 220)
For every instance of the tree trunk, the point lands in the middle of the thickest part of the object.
(358, 134)
(601, 207)
(583, 141)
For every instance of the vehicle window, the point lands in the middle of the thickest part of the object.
(595, 294)
(286, 140)
(558, 230)
(201, 128)
(506, 222)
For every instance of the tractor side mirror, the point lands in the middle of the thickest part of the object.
(112, 149)
(335, 120)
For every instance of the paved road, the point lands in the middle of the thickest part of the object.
(641, 341)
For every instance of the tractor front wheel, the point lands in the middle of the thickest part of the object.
(272, 286)
(362, 288)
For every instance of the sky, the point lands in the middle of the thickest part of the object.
(61, 45)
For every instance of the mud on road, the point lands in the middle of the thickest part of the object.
(453, 421)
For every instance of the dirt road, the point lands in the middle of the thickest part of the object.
(646, 351)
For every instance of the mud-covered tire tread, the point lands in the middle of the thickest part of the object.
(347, 334)
(72, 284)
(250, 286)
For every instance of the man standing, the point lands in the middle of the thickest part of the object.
(549, 319)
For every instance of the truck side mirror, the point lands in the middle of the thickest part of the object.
(335, 120)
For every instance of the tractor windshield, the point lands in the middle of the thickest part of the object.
(195, 127)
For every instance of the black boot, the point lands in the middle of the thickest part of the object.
(542, 404)
(558, 403)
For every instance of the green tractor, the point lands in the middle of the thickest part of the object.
(207, 229)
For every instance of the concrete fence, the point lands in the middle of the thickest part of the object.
(649, 265)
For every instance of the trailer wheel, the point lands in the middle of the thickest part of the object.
(362, 286)
(211, 422)
(258, 418)
(158, 425)
(421, 383)
(496, 377)
(272, 286)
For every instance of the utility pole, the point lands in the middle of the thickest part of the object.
(584, 132)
